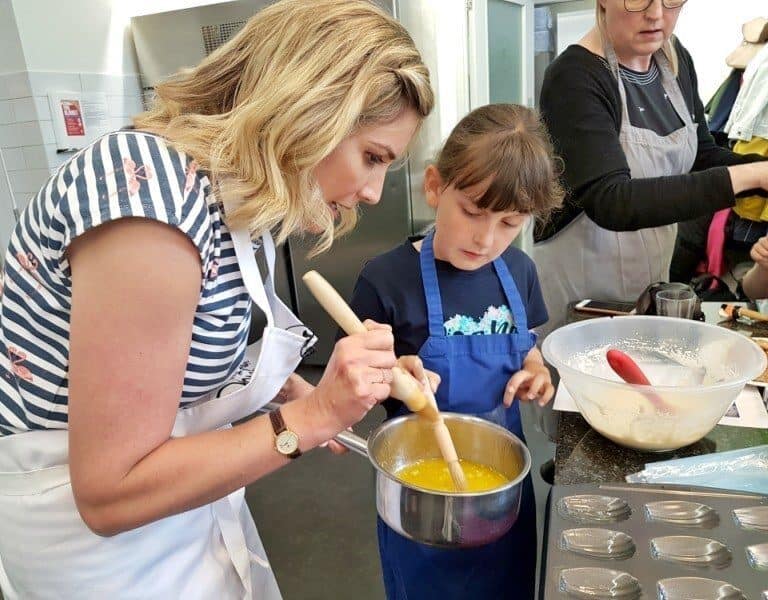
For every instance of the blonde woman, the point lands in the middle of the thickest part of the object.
(130, 284)
(623, 109)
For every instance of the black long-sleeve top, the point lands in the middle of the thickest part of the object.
(581, 107)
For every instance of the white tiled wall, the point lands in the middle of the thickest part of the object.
(31, 108)
(14, 159)
(124, 106)
(41, 157)
(27, 137)
(6, 112)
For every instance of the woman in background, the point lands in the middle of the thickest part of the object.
(623, 110)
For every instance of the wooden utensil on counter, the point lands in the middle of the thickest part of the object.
(626, 368)
(730, 311)
(404, 386)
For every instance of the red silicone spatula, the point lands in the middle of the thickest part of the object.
(626, 368)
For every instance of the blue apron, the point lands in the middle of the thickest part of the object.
(474, 370)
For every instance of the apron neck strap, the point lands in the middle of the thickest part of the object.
(269, 253)
(613, 61)
(431, 286)
(516, 305)
(432, 290)
(249, 268)
(672, 87)
(668, 79)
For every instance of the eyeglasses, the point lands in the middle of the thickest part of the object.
(641, 5)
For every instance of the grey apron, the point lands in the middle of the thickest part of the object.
(586, 261)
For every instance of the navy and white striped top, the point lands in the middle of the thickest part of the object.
(123, 174)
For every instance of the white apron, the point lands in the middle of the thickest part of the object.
(211, 552)
(586, 261)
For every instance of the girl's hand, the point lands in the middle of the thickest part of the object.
(413, 365)
(532, 382)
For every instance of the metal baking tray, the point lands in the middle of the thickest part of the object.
(665, 542)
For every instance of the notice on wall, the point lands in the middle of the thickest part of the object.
(96, 115)
(78, 118)
(73, 117)
(68, 119)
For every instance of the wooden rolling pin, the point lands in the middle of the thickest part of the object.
(404, 386)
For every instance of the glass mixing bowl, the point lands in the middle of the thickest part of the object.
(696, 369)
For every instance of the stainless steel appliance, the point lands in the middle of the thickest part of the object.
(440, 30)
(380, 228)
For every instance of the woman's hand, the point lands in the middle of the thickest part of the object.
(298, 387)
(357, 377)
(336, 447)
(294, 387)
(749, 176)
(414, 366)
(762, 168)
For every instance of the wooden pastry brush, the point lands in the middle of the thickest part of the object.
(404, 386)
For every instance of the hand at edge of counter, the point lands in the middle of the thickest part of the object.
(749, 176)
(755, 282)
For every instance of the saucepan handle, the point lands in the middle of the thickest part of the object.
(353, 442)
(349, 440)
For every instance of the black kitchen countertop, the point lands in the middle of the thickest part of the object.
(583, 455)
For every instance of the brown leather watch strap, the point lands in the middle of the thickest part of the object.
(278, 426)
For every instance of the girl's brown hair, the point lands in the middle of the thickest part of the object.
(264, 109)
(509, 144)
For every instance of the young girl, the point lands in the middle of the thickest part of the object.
(465, 302)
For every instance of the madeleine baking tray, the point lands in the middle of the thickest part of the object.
(665, 542)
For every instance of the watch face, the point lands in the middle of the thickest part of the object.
(287, 442)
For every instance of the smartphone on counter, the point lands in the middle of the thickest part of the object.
(605, 307)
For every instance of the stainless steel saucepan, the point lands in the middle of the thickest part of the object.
(443, 519)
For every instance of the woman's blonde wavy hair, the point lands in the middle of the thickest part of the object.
(668, 48)
(265, 108)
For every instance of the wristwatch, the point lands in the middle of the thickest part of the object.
(286, 441)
